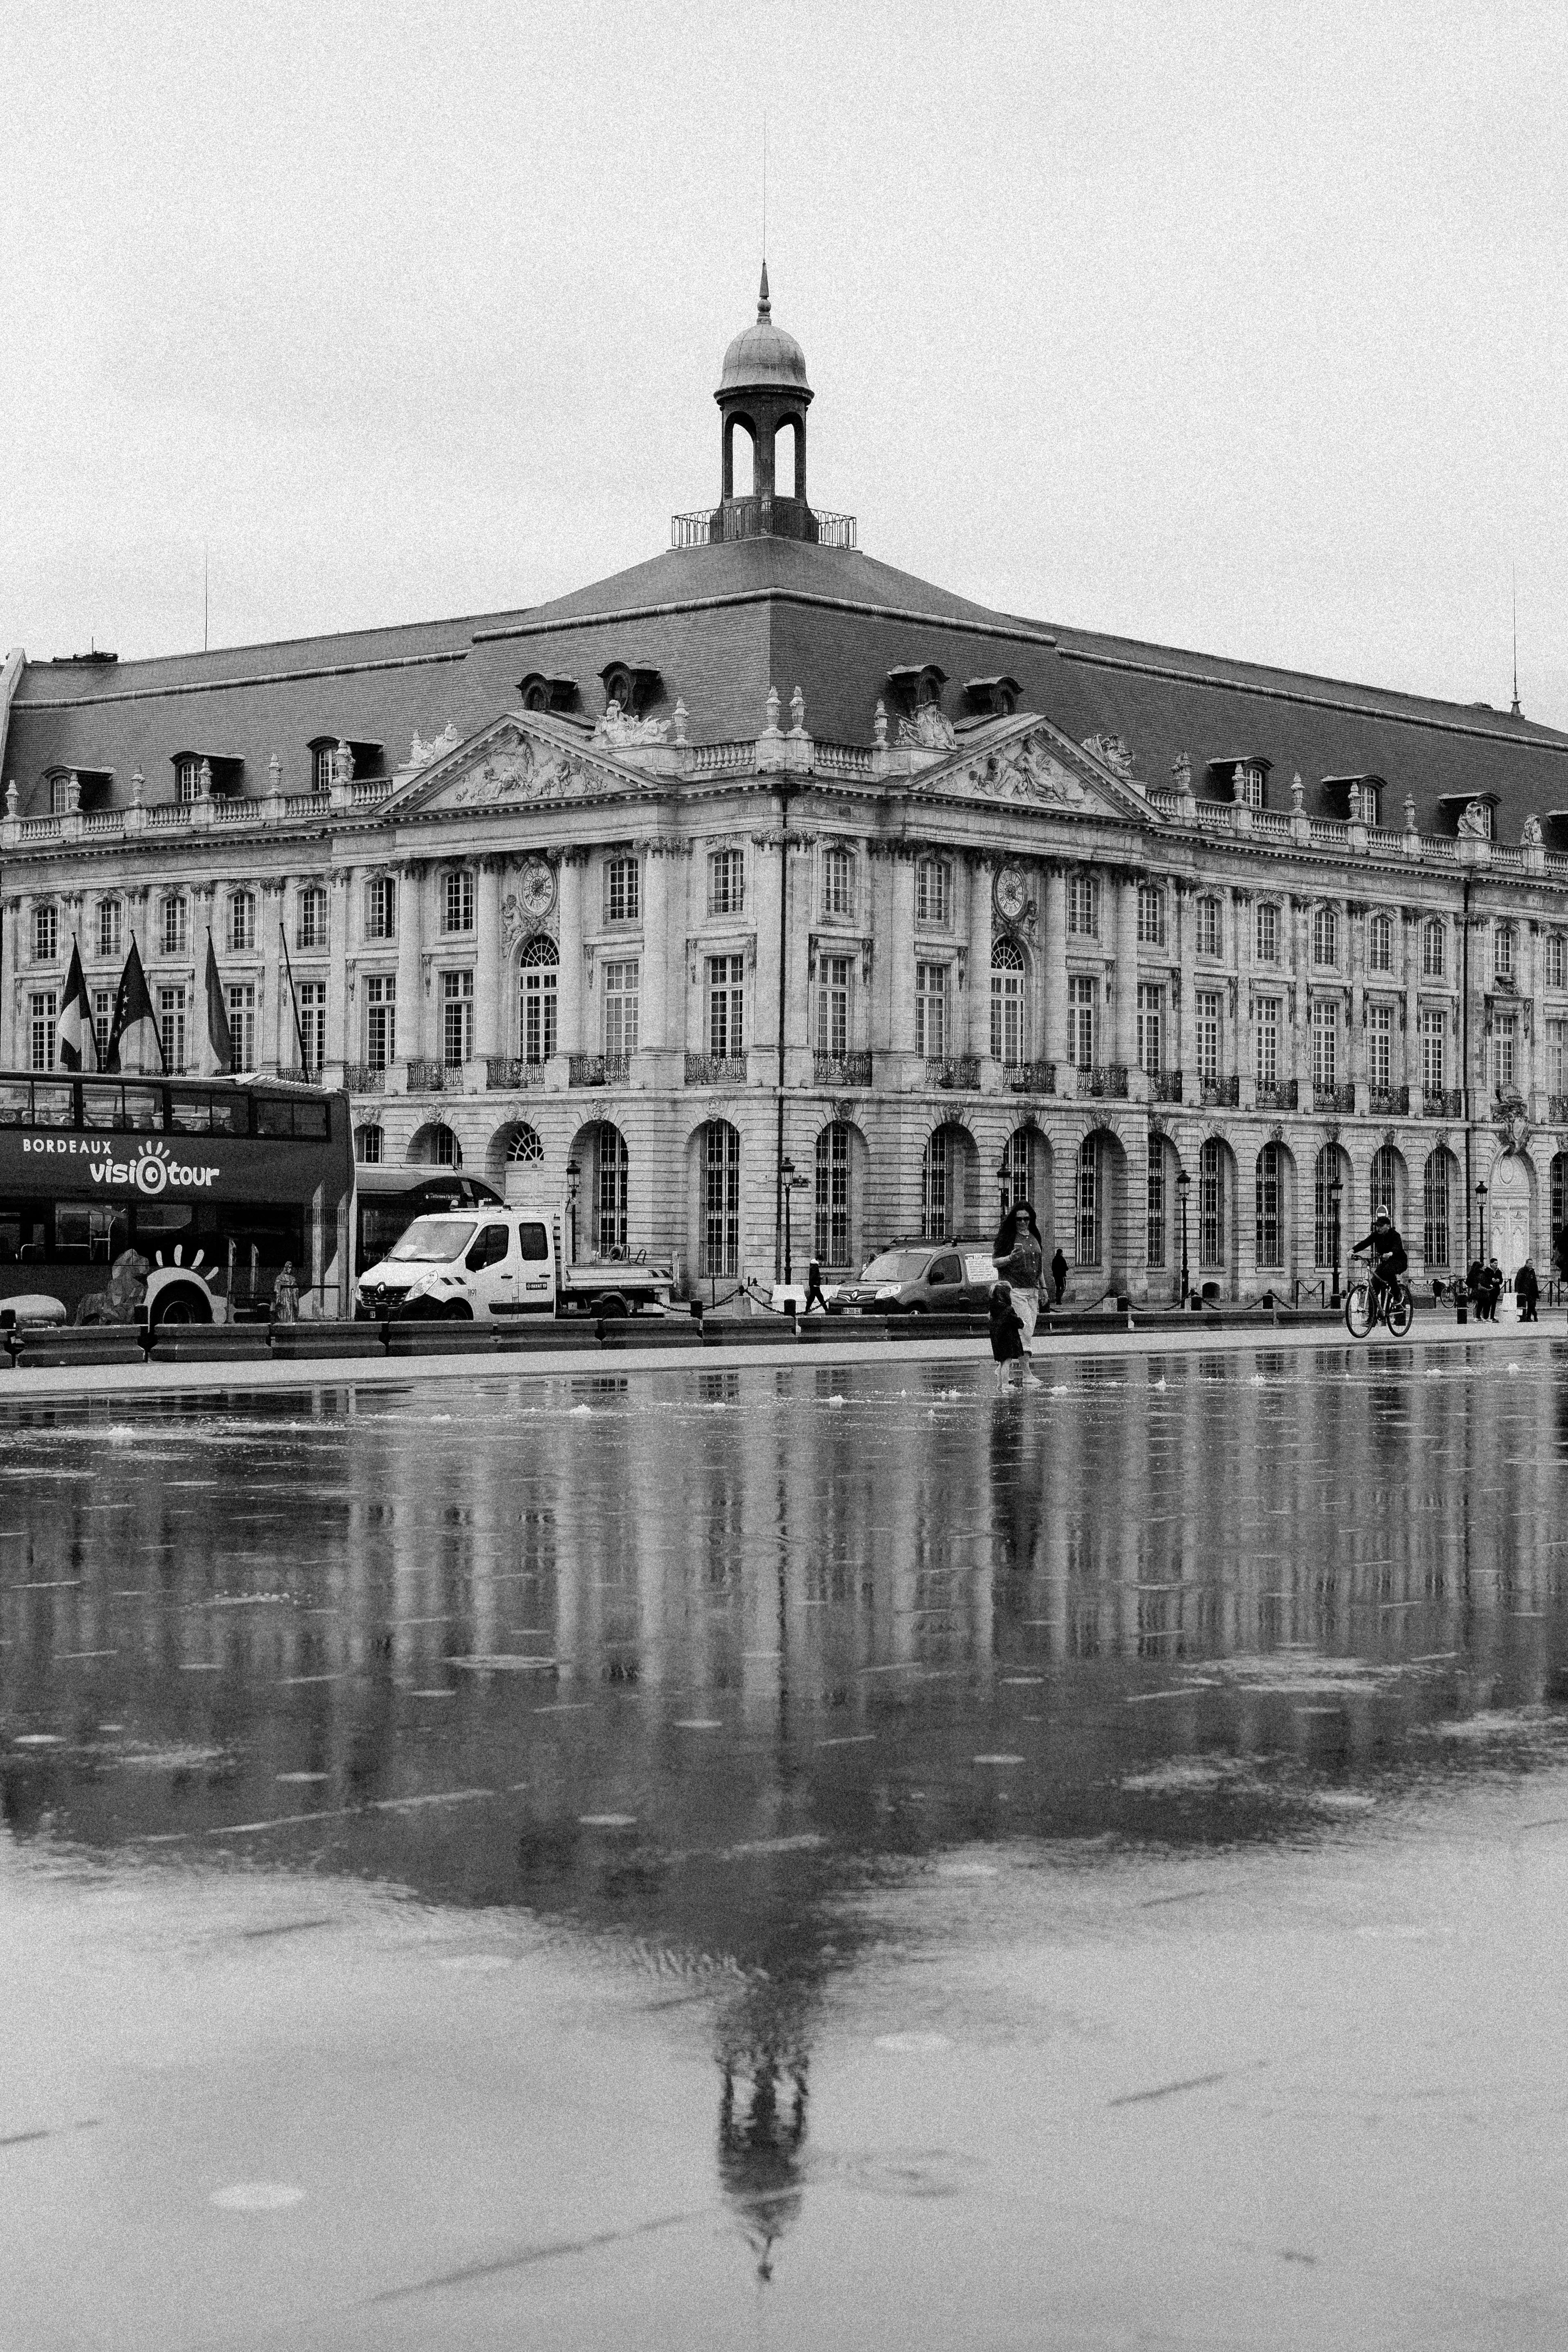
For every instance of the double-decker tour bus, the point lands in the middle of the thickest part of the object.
(216, 1182)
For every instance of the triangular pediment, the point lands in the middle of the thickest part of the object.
(1028, 759)
(519, 760)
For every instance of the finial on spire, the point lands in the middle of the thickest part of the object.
(764, 308)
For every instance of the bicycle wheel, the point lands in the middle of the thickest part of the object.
(1358, 1311)
(1401, 1313)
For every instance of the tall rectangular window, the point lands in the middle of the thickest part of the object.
(931, 1011)
(726, 1005)
(171, 1025)
(1503, 950)
(1268, 931)
(109, 927)
(1154, 1223)
(726, 882)
(456, 1017)
(1505, 1049)
(314, 1022)
(1556, 959)
(838, 881)
(1080, 1022)
(242, 1023)
(623, 902)
(173, 926)
(621, 982)
(187, 780)
(457, 901)
(242, 925)
(1083, 905)
(102, 1021)
(831, 1223)
(1206, 926)
(1007, 1026)
(1380, 1046)
(1151, 915)
(381, 907)
(1150, 1027)
(833, 982)
(1270, 1222)
(1557, 1059)
(46, 931)
(1087, 1222)
(933, 891)
(539, 1003)
(1433, 1024)
(1267, 1011)
(1432, 950)
(42, 1007)
(1211, 1205)
(1434, 1210)
(310, 918)
(1325, 1042)
(381, 1018)
(1208, 1011)
(1379, 942)
(1325, 936)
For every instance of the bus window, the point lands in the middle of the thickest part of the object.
(156, 1218)
(190, 1114)
(15, 1102)
(101, 1103)
(82, 1231)
(53, 1105)
(310, 1121)
(141, 1108)
(231, 1114)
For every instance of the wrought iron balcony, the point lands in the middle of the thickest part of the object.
(841, 1070)
(765, 517)
(1225, 1093)
(1390, 1102)
(1280, 1096)
(1557, 1110)
(962, 1070)
(427, 1077)
(1437, 1102)
(1335, 1098)
(504, 1074)
(365, 1077)
(1031, 1078)
(1164, 1085)
(599, 1070)
(1107, 1080)
(715, 1069)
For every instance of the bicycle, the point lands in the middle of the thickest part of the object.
(1369, 1302)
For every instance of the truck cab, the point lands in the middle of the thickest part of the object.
(493, 1261)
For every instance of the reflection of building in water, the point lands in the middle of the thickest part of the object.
(764, 2061)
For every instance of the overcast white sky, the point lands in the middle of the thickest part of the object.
(1237, 327)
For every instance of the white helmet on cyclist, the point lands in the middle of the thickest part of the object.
(1383, 1218)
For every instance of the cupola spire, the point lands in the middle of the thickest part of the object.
(764, 308)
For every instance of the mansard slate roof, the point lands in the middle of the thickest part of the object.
(720, 625)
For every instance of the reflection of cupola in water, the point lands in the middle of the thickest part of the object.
(763, 393)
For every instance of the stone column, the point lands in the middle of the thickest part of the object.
(978, 1030)
(1533, 1074)
(410, 966)
(662, 960)
(569, 1001)
(1056, 963)
(1355, 926)
(1126, 983)
(276, 1047)
(766, 868)
(897, 1034)
(1298, 1003)
(1242, 1048)
(799, 1041)
(10, 969)
(1410, 1058)
(1188, 1015)
(339, 892)
(487, 959)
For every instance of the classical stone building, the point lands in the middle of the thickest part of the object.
(764, 856)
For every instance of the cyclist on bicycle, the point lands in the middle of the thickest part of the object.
(1388, 1259)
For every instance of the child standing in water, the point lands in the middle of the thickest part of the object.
(1007, 1336)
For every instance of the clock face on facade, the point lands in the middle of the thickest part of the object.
(537, 888)
(1012, 896)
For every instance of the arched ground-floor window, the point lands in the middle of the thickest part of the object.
(597, 1176)
(1271, 1209)
(1329, 1187)
(1212, 1172)
(1089, 1221)
(831, 1223)
(720, 1166)
(943, 1181)
(435, 1145)
(1387, 1172)
(370, 1143)
(1438, 1189)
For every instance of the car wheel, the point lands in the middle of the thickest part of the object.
(613, 1304)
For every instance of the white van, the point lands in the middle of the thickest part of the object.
(489, 1263)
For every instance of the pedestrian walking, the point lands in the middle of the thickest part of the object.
(1007, 1338)
(1059, 1274)
(1020, 1257)
(815, 1302)
(1494, 1288)
(1527, 1290)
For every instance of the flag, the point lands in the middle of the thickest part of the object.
(294, 1000)
(73, 1025)
(134, 1035)
(220, 1036)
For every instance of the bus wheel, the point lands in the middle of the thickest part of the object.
(181, 1306)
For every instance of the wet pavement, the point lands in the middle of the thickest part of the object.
(758, 1855)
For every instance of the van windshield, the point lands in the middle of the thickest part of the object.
(897, 1266)
(431, 1241)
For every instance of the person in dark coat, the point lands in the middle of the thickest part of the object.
(1527, 1290)
(1007, 1336)
(1059, 1275)
(1476, 1283)
(1494, 1288)
(814, 1292)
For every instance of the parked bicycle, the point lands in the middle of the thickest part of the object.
(1376, 1299)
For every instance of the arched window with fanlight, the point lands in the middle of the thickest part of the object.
(830, 1230)
(1009, 1039)
(537, 1006)
(446, 1151)
(1212, 1205)
(1385, 1189)
(369, 1146)
(1270, 1207)
(936, 1186)
(1328, 1204)
(721, 1174)
(1438, 1189)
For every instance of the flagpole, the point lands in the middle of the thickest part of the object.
(294, 1000)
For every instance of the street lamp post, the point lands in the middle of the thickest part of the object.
(1002, 1181)
(573, 1172)
(1184, 1184)
(787, 1174)
(1336, 1193)
(1481, 1207)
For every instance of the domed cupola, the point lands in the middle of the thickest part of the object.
(763, 393)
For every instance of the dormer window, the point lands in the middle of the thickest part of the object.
(991, 698)
(915, 686)
(365, 759)
(1358, 798)
(321, 758)
(187, 777)
(1247, 776)
(539, 692)
(633, 687)
(225, 775)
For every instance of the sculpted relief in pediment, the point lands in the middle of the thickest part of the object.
(512, 771)
(1025, 771)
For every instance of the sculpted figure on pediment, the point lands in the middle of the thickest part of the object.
(618, 727)
(420, 755)
(929, 730)
(1024, 772)
(523, 771)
